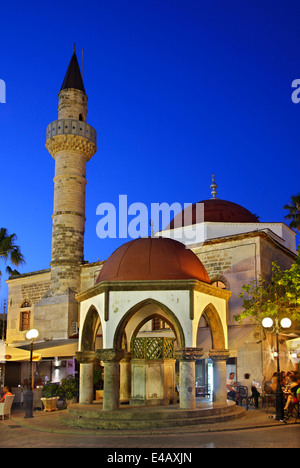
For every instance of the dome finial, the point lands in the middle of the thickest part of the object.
(213, 188)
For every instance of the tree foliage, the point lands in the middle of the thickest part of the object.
(9, 251)
(294, 212)
(278, 297)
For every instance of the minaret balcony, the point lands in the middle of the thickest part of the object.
(71, 127)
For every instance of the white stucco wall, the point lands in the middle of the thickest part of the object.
(178, 301)
(201, 301)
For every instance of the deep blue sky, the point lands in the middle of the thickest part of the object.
(178, 89)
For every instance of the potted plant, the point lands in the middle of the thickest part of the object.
(50, 395)
(70, 389)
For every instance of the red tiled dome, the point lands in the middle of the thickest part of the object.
(152, 259)
(218, 211)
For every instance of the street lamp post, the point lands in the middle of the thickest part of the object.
(31, 335)
(275, 328)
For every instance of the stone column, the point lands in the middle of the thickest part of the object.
(86, 385)
(187, 358)
(111, 359)
(125, 378)
(219, 357)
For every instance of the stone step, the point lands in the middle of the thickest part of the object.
(128, 420)
(142, 412)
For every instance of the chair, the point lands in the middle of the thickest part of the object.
(203, 391)
(296, 409)
(18, 392)
(243, 392)
(270, 399)
(297, 415)
(5, 407)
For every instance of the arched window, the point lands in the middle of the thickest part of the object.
(219, 284)
(219, 281)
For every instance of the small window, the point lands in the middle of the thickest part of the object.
(81, 117)
(24, 321)
(158, 324)
(219, 284)
(25, 304)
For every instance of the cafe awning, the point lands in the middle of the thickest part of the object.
(11, 354)
(61, 348)
(58, 348)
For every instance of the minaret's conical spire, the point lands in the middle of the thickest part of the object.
(73, 78)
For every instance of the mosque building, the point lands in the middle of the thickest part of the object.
(158, 314)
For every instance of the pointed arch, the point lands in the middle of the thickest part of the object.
(169, 317)
(89, 331)
(215, 326)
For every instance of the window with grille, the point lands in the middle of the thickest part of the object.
(25, 321)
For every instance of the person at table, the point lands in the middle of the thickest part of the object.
(7, 391)
(287, 380)
(231, 388)
(252, 390)
(25, 383)
(292, 392)
(282, 379)
(298, 392)
(274, 382)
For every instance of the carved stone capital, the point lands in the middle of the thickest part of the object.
(127, 357)
(71, 143)
(110, 354)
(219, 354)
(86, 357)
(188, 354)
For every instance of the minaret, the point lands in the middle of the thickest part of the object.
(71, 142)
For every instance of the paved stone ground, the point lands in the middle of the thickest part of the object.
(45, 430)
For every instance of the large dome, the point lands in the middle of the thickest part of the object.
(217, 211)
(152, 259)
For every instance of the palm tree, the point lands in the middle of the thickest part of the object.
(9, 251)
(294, 212)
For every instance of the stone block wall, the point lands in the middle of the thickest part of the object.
(24, 288)
(234, 262)
(89, 274)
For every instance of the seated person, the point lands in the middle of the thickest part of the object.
(274, 382)
(231, 390)
(7, 391)
(252, 391)
(292, 392)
